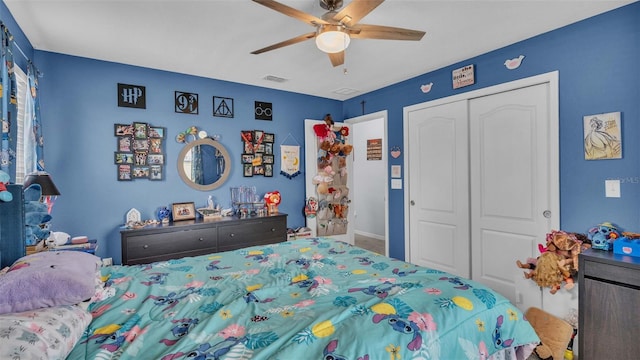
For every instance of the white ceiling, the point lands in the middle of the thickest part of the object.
(214, 38)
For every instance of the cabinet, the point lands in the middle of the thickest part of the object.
(198, 237)
(609, 299)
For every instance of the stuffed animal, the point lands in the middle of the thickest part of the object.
(603, 235)
(5, 195)
(36, 216)
(323, 179)
(554, 333)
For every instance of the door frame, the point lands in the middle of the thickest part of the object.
(383, 114)
(552, 79)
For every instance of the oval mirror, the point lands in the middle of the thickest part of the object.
(204, 164)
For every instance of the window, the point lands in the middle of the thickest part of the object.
(25, 149)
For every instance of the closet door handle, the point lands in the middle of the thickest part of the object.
(413, 203)
(547, 214)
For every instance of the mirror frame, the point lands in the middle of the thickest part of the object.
(225, 155)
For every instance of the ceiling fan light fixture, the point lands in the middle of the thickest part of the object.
(332, 39)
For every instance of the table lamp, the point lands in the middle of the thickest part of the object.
(49, 190)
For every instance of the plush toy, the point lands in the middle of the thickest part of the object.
(5, 195)
(554, 333)
(36, 216)
(323, 179)
(603, 235)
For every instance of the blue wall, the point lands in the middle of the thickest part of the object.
(597, 60)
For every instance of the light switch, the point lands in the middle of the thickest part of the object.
(396, 183)
(612, 188)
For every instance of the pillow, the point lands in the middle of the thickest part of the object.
(48, 278)
(48, 333)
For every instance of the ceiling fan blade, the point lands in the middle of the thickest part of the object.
(355, 11)
(337, 59)
(362, 31)
(289, 11)
(291, 41)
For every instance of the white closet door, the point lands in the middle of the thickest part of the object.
(438, 161)
(511, 182)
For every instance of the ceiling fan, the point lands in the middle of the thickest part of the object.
(336, 28)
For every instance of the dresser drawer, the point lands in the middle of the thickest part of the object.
(169, 245)
(253, 232)
(607, 272)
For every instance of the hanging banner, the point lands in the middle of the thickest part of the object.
(290, 160)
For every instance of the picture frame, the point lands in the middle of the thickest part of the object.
(140, 130)
(124, 172)
(140, 144)
(268, 170)
(258, 170)
(246, 135)
(122, 158)
(268, 159)
(156, 132)
(183, 211)
(268, 148)
(123, 130)
(247, 170)
(155, 145)
(247, 158)
(222, 107)
(140, 158)
(258, 136)
(155, 159)
(155, 172)
(269, 137)
(124, 143)
(140, 172)
(602, 136)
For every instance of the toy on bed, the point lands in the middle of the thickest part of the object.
(558, 261)
(603, 235)
(5, 195)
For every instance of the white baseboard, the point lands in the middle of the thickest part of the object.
(374, 236)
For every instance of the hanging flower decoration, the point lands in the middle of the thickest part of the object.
(182, 137)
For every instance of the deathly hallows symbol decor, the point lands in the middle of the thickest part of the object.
(222, 107)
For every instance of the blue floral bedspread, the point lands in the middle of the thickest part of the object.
(306, 299)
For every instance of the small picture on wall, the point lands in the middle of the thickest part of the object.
(602, 136)
(268, 148)
(267, 159)
(141, 144)
(247, 158)
(269, 137)
(140, 172)
(247, 170)
(268, 170)
(141, 158)
(140, 130)
(155, 146)
(124, 143)
(156, 132)
(258, 170)
(123, 130)
(123, 158)
(155, 159)
(124, 172)
(155, 172)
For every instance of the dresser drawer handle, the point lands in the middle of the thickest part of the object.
(232, 235)
(201, 239)
(273, 230)
(145, 246)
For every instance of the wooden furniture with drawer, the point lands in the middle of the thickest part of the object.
(609, 299)
(198, 237)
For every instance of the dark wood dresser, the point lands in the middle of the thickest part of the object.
(198, 237)
(12, 227)
(609, 306)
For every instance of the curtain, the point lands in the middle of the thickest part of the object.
(34, 148)
(8, 103)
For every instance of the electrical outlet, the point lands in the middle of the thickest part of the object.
(107, 262)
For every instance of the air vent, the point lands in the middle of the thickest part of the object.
(274, 78)
(345, 91)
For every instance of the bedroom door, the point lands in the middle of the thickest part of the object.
(507, 138)
(326, 222)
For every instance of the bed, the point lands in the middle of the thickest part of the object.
(305, 299)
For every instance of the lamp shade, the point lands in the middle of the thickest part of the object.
(332, 39)
(44, 180)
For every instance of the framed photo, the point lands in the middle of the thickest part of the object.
(140, 172)
(140, 130)
(155, 159)
(123, 130)
(141, 158)
(259, 148)
(269, 137)
(124, 143)
(183, 211)
(248, 147)
(155, 145)
(247, 170)
(124, 173)
(258, 170)
(123, 158)
(155, 172)
(268, 148)
(602, 136)
(267, 159)
(156, 132)
(246, 135)
(258, 136)
(247, 158)
(140, 144)
(268, 170)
